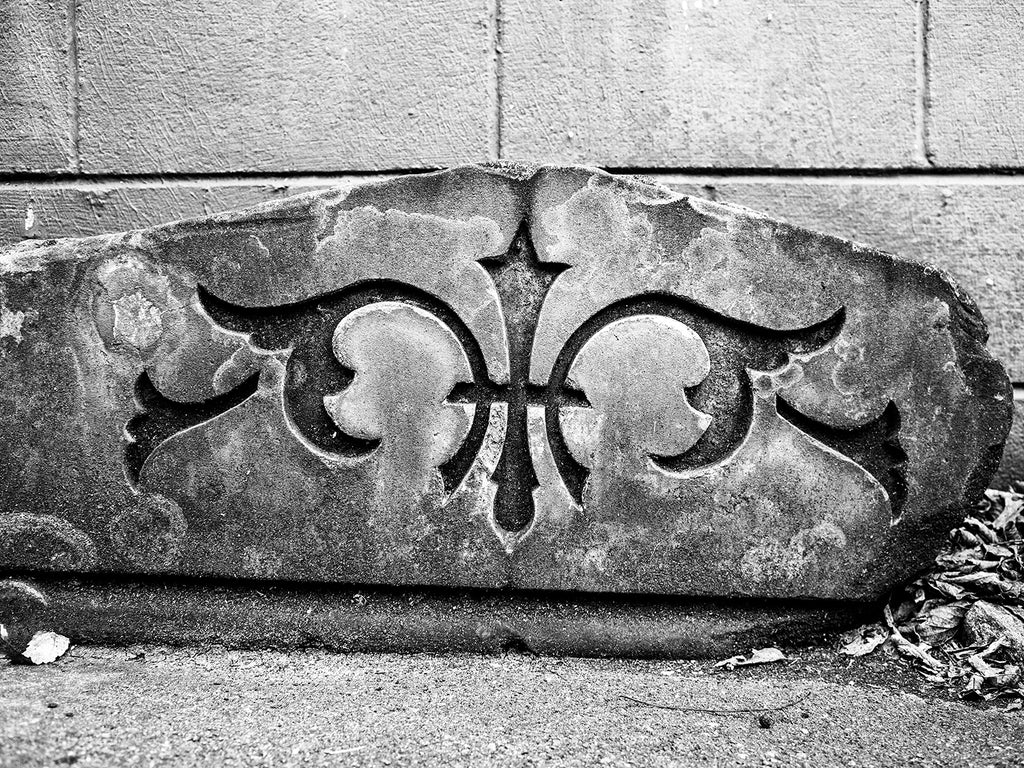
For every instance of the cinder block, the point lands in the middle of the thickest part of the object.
(704, 83)
(1011, 471)
(974, 231)
(976, 83)
(44, 212)
(219, 85)
(35, 95)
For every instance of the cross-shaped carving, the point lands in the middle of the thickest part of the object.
(522, 282)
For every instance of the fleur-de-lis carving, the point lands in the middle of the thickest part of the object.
(715, 389)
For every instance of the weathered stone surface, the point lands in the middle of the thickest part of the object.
(723, 83)
(970, 228)
(35, 86)
(309, 85)
(975, 76)
(533, 378)
(352, 619)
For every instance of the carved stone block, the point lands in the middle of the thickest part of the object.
(496, 377)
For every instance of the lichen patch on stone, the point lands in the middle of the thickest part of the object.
(137, 321)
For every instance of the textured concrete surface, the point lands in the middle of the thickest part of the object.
(35, 86)
(158, 706)
(495, 433)
(1011, 468)
(313, 85)
(45, 211)
(702, 83)
(976, 83)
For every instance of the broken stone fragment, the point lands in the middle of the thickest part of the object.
(498, 377)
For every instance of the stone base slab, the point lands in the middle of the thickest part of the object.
(264, 615)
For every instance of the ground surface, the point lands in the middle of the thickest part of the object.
(160, 706)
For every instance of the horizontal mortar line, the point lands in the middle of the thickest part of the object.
(108, 184)
(42, 180)
(900, 180)
(183, 181)
(915, 174)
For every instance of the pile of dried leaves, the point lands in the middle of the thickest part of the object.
(962, 623)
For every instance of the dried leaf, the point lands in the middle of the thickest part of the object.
(1014, 504)
(939, 622)
(46, 647)
(1010, 677)
(981, 529)
(983, 668)
(862, 641)
(909, 649)
(998, 550)
(759, 656)
(963, 623)
(731, 663)
(978, 578)
(766, 656)
(946, 589)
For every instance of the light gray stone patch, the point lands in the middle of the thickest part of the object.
(11, 322)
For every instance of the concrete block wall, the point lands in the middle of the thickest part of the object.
(898, 123)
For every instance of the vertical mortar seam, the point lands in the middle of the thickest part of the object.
(923, 85)
(496, 76)
(76, 158)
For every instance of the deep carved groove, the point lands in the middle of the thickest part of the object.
(733, 345)
(162, 417)
(312, 370)
(304, 329)
(874, 446)
(522, 282)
